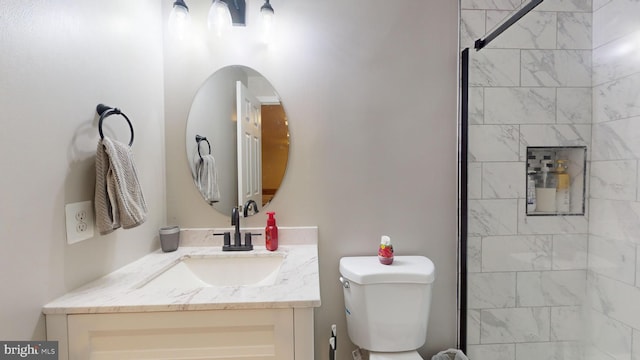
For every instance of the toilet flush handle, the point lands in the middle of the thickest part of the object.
(345, 282)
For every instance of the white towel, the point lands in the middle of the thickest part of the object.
(118, 197)
(206, 177)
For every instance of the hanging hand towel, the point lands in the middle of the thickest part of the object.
(207, 178)
(118, 197)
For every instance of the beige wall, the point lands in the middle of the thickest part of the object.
(370, 92)
(59, 60)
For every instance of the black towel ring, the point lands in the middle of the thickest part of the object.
(105, 111)
(198, 140)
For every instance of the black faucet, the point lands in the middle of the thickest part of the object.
(237, 243)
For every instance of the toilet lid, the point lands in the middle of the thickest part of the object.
(404, 269)
(406, 355)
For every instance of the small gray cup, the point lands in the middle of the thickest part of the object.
(169, 238)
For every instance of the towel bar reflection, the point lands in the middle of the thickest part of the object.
(200, 139)
(105, 111)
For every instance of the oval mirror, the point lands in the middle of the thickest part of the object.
(237, 140)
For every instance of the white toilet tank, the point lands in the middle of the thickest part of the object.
(387, 306)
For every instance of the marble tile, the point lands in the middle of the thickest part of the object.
(567, 323)
(496, 17)
(550, 224)
(553, 135)
(494, 67)
(516, 253)
(619, 99)
(503, 180)
(536, 30)
(493, 143)
(490, 4)
(597, 4)
(491, 290)
(515, 325)
(551, 288)
(492, 352)
(616, 299)
(610, 336)
(638, 268)
(616, 19)
(616, 140)
(565, 5)
(569, 252)
(574, 105)
(593, 353)
(635, 347)
(556, 68)
(617, 59)
(549, 351)
(614, 180)
(476, 105)
(616, 220)
(520, 105)
(492, 217)
(574, 30)
(474, 254)
(613, 258)
(473, 326)
(472, 27)
(474, 180)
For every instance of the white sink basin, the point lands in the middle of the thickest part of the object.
(223, 270)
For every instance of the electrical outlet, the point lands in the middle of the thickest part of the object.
(80, 221)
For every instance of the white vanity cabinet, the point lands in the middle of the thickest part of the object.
(256, 334)
(120, 316)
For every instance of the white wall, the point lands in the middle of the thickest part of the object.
(59, 60)
(370, 92)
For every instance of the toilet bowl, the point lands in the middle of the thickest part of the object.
(387, 306)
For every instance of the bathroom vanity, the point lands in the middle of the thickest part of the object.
(197, 303)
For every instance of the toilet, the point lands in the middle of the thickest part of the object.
(387, 306)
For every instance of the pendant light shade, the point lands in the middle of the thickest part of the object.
(219, 19)
(179, 19)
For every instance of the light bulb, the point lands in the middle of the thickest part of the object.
(267, 21)
(179, 19)
(219, 19)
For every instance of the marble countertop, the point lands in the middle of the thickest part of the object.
(297, 284)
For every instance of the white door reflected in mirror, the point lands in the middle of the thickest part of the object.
(214, 115)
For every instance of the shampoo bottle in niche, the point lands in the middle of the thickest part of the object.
(385, 251)
(531, 191)
(271, 233)
(546, 188)
(563, 200)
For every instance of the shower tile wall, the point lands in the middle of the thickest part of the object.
(530, 87)
(614, 229)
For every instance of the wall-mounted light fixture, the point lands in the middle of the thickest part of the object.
(219, 18)
(179, 19)
(222, 14)
(267, 20)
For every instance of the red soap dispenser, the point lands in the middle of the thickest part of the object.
(271, 232)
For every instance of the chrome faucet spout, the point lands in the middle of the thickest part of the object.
(250, 204)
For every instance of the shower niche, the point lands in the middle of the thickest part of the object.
(556, 180)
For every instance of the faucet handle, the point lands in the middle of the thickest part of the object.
(247, 238)
(227, 237)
